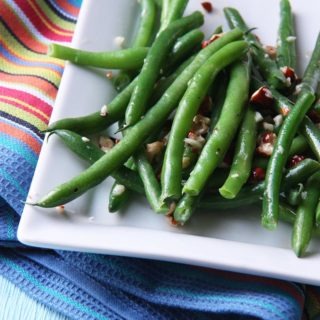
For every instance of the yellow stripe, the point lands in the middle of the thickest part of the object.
(23, 115)
(62, 33)
(26, 105)
(68, 25)
(12, 68)
(21, 52)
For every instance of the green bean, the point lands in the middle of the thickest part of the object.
(286, 49)
(120, 59)
(299, 173)
(311, 76)
(171, 174)
(312, 135)
(164, 83)
(88, 151)
(146, 25)
(293, 196)
(247, 196)
(150, 182)
(184, 46)
(142, 39)
(185, 208)
(318, 213)
(153, 63)
(97, 121)
(218, 95)
(267, 66)
(241, 165)
(139, 133)
(220, 139)
(172, 10)
(305, 216)
(270, 209)
(287, 214)
(118, 197)
(299, 145)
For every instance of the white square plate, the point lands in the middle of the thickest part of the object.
(226, 240)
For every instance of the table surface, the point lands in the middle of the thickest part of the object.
(16, 305)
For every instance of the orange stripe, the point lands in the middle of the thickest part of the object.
(22, 136)
(39, 58)
(17, 26)
(56, 29)
(66, 6)
(44, 72)
(27, 107)
(40, 84)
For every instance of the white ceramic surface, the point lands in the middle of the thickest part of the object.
(226, 240)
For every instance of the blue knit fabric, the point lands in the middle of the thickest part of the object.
(90, 286)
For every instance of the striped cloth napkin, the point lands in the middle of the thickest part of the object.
(89, 286)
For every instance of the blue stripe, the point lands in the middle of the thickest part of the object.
(19, 148)
(22, 62)
(76, 3)
(13, 182)
(53, 292)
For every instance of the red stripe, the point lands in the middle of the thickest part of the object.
(28, 98)
(23, 107)
(41, 84)
(39, 24)
(17, 27)
(67, 7)
(31, 142)
(51, 23)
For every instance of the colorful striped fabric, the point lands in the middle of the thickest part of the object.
(88, 286)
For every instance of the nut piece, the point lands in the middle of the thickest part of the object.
(153, 149)
(289, 74)
(266, 144)
(271, 51)
(262, 97)
(105, 143)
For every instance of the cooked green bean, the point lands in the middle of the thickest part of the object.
(184, 46)
(270, 209)
(267, 66)
(171, 174)
(318, 213)
(150, 182)
(172, 10)
(247, 196)
(220, 139)
(299, 173)
(138, 133)
(241, 165)
(142, 39)
(154, 62)
(164, 83)
(146, 24)
(88, 151)
(118, 197)
(97, 121)
(311, 76)
(293, 196)
(120, 59)
(305, 216)
(286, 48)
(312, 135)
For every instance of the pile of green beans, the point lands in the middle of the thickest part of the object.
(212, 124)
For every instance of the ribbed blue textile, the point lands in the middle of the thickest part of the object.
(89, 286)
